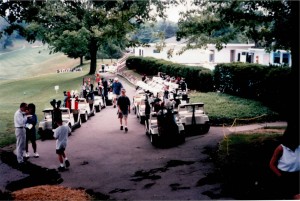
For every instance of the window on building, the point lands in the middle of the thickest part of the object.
(212, 56)
(286, 58)
(156, 51)
(276, 57)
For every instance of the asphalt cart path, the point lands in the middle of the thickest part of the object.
(126, 166)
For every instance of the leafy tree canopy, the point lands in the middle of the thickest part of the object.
(97, 21)
(272, 24)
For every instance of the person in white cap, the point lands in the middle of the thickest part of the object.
(123, 109)
(116, 87)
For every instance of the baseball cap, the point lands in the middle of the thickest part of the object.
(116, 79)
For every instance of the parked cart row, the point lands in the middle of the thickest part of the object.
(164, 108)
(75, 111)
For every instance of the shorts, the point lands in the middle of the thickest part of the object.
(60, 151)
(123, 114)
(116, 96)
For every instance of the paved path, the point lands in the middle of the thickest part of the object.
(127, 166)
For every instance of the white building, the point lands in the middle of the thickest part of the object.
(210, 56)
(260, 56)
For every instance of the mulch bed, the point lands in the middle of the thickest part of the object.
(51, 192)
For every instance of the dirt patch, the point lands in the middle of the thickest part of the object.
(49, 192)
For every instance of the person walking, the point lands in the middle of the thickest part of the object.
(20, 131)
(123, 109)
(31, 130)
(61, 134)
(105, 88)
(116, 87)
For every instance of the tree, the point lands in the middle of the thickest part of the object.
(272, 24)
(148, 32)
(72, 43)
(104, 21)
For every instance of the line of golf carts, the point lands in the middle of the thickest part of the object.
(163, 107)
(74, 113)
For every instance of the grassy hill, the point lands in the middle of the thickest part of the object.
(27, 60)
(28, 73)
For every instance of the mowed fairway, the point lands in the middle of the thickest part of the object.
(29, 76)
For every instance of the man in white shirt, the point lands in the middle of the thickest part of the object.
(20, 131)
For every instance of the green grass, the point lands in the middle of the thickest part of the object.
(38, 90)
(242, 165)
(31, 60)
(29, 75)
(224, 109)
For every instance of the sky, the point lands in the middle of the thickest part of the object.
(173, 11)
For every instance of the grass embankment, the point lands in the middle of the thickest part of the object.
(225, 109)
(38, 90)
(242, 164)
(28, 74)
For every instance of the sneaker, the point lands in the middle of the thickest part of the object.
(27, 155)
(67, 163)
(121, 128)
(61, 169)
(36, 155)
(126, 129)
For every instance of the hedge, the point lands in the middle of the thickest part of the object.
(197, 77)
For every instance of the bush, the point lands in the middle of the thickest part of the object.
(197, 77)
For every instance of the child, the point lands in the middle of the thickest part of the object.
(61, 134)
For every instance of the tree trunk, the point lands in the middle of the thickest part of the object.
(293, 117)
(93, 53)
(81, 60)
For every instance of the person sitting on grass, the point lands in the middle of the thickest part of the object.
(61, 134)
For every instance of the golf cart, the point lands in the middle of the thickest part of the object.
(110, 96)
(164, 127)
(85, 110)
(139, 105)
(193, 117)
(99, 101)
(45, 129)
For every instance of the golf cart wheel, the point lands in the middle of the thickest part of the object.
(109, 102)
(142, 120)
(134, 108)
(84, 117)
(205, 128)
(181, 137)
(97, 108)
(154, 139)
